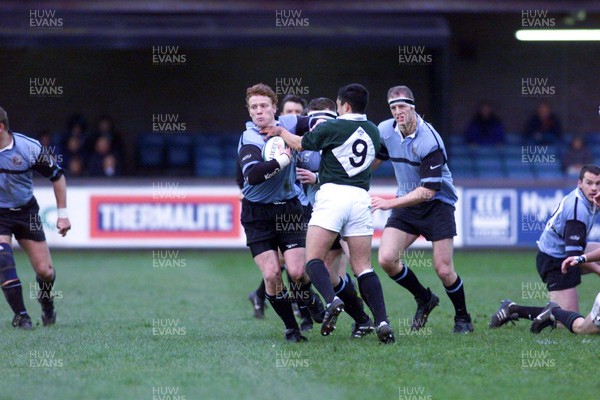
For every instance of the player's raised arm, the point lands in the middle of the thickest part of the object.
(294, 141)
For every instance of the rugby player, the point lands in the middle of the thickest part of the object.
(348, 144)
(269, 195)
(424, 205)
(563, 239)
(19, 216)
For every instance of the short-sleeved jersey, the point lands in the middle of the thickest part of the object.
(16, 170)
(568, 227)
(419, 159)
(349, 144)
(279, 187)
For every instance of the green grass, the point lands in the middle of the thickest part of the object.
(106, 348)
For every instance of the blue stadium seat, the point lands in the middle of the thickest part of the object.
(488, 152)
(514, 138)
(462, 167)
(208, 167)
(515, 163)
(524, 173)
(462, 150)
(463, 173)
(179, 150)
(595, 149)
(150, 150)
(548, 171)
(464, 162)
(489, 167)
(456, 139)
(592, 138)
(512, 151)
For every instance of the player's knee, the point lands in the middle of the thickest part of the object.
(272, 276)
(445, 271)
(45, 271)
(387, 259)
(46, 274)
(8, 272)
(296, 274)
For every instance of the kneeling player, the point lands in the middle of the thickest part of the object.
(564, 238)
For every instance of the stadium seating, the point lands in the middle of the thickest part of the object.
(179, 151)
(214, 155)
(151, 148)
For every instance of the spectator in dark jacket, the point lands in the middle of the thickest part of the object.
(543, 127)
(485, 128)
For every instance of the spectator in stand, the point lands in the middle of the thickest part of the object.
(106, 128)
(75, 166)
(543, 127)
(73, 142)
(486, 128)
(576, 157)
(45, 139)
(103, 161)
(106, 149)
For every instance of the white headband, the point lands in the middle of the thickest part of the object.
(406, 100)
(322, 113)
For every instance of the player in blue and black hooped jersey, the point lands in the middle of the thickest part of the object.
(424, 205)
(272, 216)
(19, 216)
(311, 307)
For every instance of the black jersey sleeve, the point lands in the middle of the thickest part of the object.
(431, 170)
(239, 177)
(254, 169)
(302, 125)
(47, 166)
(383, 153)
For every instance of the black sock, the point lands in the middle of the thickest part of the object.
(319, 276)
(525, 311)
(566, 317)
(283, 307)
(260, 291)
(370, 290)
(14, 296)
(456, 293)
(408, 280)
(346, 291)
(45, 290)
(300, 294)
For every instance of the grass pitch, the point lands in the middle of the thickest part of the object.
(178, 325)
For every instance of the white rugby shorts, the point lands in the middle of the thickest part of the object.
(343, 209)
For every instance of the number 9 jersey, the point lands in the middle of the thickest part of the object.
(349, 144)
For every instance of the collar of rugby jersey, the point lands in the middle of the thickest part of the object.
(10, 146)
(411, 136)
(354, 117)
(585, 200)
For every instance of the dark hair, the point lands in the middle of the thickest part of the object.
(321, 103)
(593, 168)
(4, 118)
(294, 99)
(356, 95)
